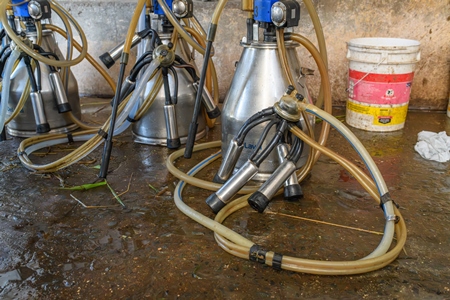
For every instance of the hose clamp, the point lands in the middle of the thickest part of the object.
(102, 133)
(385, 198)
(70, 138)
(257, 254)
(390, 218)
(131, 120)
(277, 261)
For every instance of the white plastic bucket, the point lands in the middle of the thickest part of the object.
(381, 71)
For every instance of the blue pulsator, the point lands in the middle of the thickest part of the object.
(158, 9)
(261, 11)
(20, 10)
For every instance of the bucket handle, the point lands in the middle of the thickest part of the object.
(383, 57)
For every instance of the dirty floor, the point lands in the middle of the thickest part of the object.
(53, 247)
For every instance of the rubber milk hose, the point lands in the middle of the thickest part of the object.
(240, 246)
(7, 85)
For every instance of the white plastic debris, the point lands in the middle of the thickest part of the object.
(433, 146)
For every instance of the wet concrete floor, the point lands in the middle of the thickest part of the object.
(54, 248)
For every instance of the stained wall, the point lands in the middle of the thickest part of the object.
(105, 24)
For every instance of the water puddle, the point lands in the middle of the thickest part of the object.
(15, 275)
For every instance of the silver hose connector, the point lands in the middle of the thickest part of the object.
(228, 162)
(42, 125)
(261, 198)
(219, 199)
(62, 103)
(212, 109)
(292, 189)
(173, 139)
(109, 58)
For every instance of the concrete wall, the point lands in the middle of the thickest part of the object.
(106, 23)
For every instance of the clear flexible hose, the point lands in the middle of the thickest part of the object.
(93, 62)
(371, 166)
(23, 99)
(140, 88)
(237, 245)
(320, 40)
(9, 66)
(91, 138)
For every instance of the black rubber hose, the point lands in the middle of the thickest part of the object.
(298, 154)
(180, 60)
(46, 54)
(259, 115)
(175, 81)
(155, 41)
(108, 143)
(275, 139)
(165, 73)
(245, 130)
(138, 67)
(3, 135)
(3, 61)
(296, 143)
(38, 74)
(140, 59)
(50, 54)
(33, 84)
(148, 23)
(300, 145)
(263, 137)
(198, 102)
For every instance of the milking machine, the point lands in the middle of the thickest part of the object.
(267, 65)
(166, 123)
(258, 82)
(288, 148)
(171, 127)
(268, 137)
(180, 85)
(39, 92)
(163, 78)
(36, 96)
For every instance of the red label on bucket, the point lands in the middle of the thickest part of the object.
(380, 89)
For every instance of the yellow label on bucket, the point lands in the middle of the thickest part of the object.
(382, 115)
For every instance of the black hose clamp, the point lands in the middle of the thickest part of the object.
(257, 254)
(131, 120)
(70, 138)
(385, 199)
(102, 133)
(276, 261)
